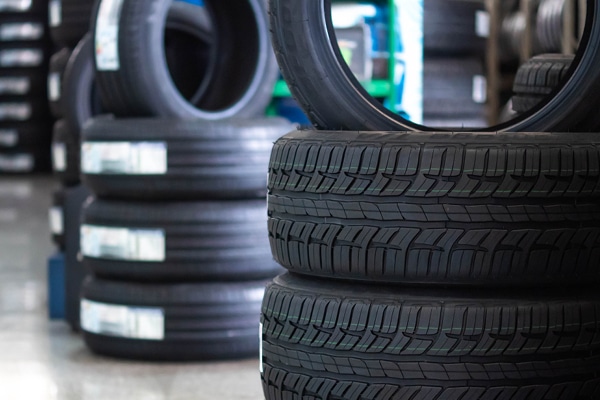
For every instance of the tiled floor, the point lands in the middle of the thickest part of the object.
(42, 360)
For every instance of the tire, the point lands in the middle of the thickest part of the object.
(19, 7)
(326, 340)
(15, 135)
(65, 154)
(333, 99)
(23, 82)
(58, 63)
(56, 219)
(183, 159)
(188, 241)
(538, 78)
(549, 26)
(184, 322)
(70, 20)
(25, 160)
(450, 27)
(448, 88)
(82, 98)
(23, 108)
(437, 209)
(22, 28)
(239, 78)
(19, 55)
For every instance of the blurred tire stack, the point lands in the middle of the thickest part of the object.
(454, 91)
(24, 115)
(175, 235)
(551, 49)
(68, 22)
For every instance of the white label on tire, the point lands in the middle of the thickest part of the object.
(15, 5)
(54, 86)
(17, 163)
(21, 58)
(55, 218)
(260, 349)
(15, 111)
(21, 31)
(9, 137)
(107, 35)
(14, 86)
(143, 323)
(479, 89)
(482, 24)
(125, 158)
(55, 13)
(59, 157)
(146, 245)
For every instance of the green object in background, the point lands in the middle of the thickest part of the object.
(376, 88)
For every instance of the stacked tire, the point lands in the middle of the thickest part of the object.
(425, 265)
(175, 236)
(24, 115)
(71, 98)
(454, 85)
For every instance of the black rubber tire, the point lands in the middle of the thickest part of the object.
(25, 160)
(58, 63)
(325, 340)
(57, 232)
(23, 56)
(202, 321)
(23, 82)
(66, 147)
(15, 135)
(450, 27)
(333, 99)
(81, 95)
(74, 22)
(549, 25)
(438, 209)
(204, 160)
(538, 78)
(10, 7)
(240, 84)
(448, 90)
(224, 240)
(22, 28)
(23, 108)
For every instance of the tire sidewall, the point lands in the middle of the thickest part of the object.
(342, 104)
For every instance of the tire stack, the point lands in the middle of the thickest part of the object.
(68, 21)
(538, 78)
(425, 265)
(69, 24)
(24, 115)
(175, 235)
(454, 92)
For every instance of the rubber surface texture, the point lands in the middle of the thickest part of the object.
(468, 208)
(325, 340)
(206, 240)
(538, 78)
(203, 321)
(81, 95)
(218, 160)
